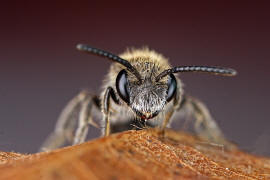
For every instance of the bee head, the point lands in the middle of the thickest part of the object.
(146, 98)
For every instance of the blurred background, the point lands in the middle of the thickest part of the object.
(41, 70)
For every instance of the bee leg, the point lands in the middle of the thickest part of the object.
(205, 126)
(169, 114)
(66, 123)
(85, 119)
(109, 93)
(166, 121)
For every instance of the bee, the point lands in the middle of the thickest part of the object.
(140, 90)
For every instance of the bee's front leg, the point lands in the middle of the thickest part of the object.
(109, 93)
(169, 114)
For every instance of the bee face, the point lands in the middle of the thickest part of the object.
(147, 98)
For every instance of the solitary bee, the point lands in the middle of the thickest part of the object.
(140, 90)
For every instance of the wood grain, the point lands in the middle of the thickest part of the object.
(137, 155)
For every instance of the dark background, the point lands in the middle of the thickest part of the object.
(41, 70)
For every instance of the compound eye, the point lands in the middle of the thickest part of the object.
(122, 85)
(172, 85)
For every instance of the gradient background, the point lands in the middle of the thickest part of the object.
(41, 70)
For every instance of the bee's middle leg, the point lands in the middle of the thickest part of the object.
(205, 126)
(85, 118)
(66, 123)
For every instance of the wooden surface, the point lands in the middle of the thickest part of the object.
(137, 155)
